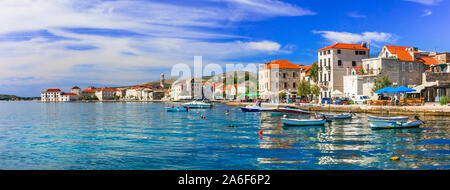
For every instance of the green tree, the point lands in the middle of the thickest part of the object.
(315, 90)
(314, 72)
(304, 88)
(381, 82)
(282, 95)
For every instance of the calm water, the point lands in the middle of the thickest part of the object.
(37, 135)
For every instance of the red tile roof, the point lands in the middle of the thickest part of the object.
(428, 60)
(283, 64)
(108, 89)
(53, 90)
(89, 90)
(70, 94)
(401, 52)
(345, 46)
(76, 87)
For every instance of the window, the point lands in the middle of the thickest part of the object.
(329, 76)
(320, 53)
(329, 61)
(284, 75)
(294, 85)
(329, 52)
(339, 63)
(356, 52)
(293, 74)
(338, 51)
(320, 77)
(320, 63)
(362, 53)
(410, 67)
(285, 85)
(353, 63)
(324, 77)
(403, 66)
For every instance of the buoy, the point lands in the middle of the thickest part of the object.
(395, 158)
(260, 133)
(145, 110)
(284, 116)
(231, 125)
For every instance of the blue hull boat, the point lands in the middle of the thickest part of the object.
(170, 109)
(249, 109)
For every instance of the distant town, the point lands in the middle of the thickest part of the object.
(343, 71)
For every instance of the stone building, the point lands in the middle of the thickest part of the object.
(335, 62)
(279, 76)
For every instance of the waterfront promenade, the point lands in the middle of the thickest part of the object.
(432, 109)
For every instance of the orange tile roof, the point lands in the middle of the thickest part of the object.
(89, 90)
(230, 86)
(283, 64)
(53, 90)
(345, 46)
(76, 87)
(401, 52)
(108, 89)
(70, 94)
(427, 60)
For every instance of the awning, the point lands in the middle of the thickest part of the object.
(423, 86)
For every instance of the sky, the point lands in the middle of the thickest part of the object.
(63, 43)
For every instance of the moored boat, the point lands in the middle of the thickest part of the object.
(398, 118)
(303, 122)
(176, 109)
(394, 125)
(252, 108)
(330, 117)
(196, 104)
(289, 109)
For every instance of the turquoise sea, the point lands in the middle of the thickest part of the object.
(136, 136)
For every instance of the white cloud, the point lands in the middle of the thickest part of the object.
(356, 15)
(347, 37)
(169, 34)
(427, 12)
(426, 2)
(263, 45)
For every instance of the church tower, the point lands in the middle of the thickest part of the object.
(161, 80)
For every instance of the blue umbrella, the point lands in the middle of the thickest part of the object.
(385, 90)
(402, 89)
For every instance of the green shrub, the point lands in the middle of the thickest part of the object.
(351, 102)
(443, 100)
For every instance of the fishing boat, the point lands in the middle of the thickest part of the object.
(399, 118)
(289, 109)
(303, 122)
(330, 117)
(394, 125)
(176, 109)
(196, 104)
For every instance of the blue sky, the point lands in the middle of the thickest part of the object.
(62, 43)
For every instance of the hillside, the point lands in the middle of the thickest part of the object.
(14, 97)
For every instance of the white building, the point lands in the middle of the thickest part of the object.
(51, 95)
(105, 93)
(76, 90)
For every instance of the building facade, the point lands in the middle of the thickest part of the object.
(278, 76)
(336, 61)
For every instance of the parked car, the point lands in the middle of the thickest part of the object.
(341, 101)
(361, 99)
(327, 100)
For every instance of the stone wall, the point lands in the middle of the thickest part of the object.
(431, 77)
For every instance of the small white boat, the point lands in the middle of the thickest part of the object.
(399, 118)
(394, 125)
(303, 122)
(252, 108)
(196, 104)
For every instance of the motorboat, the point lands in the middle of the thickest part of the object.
(176, 109)
(303, 122)
(197, 104)
(289, 109)
(398, 118)
(252, 108)
(394, 125)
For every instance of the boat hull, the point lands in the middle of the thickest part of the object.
(401, 118)
(168, 109)
(244, 109)
(303, 122)
(337, 116)
(290, 110)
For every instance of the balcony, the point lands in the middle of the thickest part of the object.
(324, 83)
